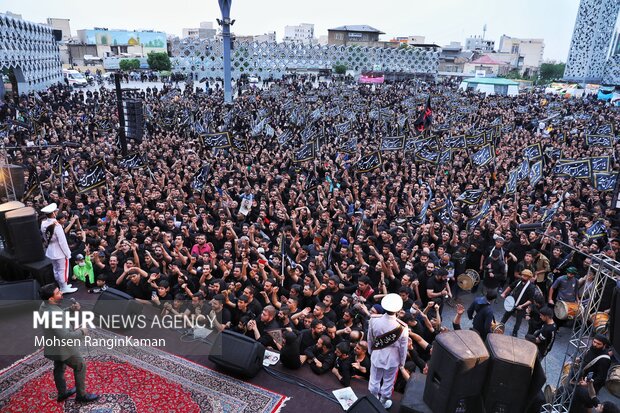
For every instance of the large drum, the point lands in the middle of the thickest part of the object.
(599, 322)
(497, 328)
(567, 311)
(613, 380)
(468, 280)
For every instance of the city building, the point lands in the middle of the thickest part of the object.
(409, 40)
(478, 43)
(302, 33)
(486, 66)
(204, 31)
(122, 42)
(491, 86)
(591, 58)
(361, 35)
(453, 58)
(526, 55)
(60, 24)
(269, 37)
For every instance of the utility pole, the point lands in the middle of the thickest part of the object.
(226, 23)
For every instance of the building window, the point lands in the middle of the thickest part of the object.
(339, 36)
(515, 49)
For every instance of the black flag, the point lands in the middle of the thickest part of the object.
(94, 177)
(368, 162)
(425, 119)
(33, 185)
(471, 196)
(199, 180)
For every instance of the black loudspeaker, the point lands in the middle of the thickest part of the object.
(19, 293)
(412, 397)
(113, 302)
(509, 375)
(367, 404)
(134, 119)
(4, 229)
(12, 176)
(457, 371)
(614, 319)
(25, 235)
(237, 353)
(42, 271)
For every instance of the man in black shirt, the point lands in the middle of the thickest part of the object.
(522, 291)
(342, 368)
(437, 288)
(320, 356)
(597, 361)
(545, 336)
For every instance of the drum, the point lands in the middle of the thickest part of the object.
(613, 380)
(468, 280)
(565, 373)
(599, 322)
(567, 311)
(549, 392)
(509, 303)
(497, 328)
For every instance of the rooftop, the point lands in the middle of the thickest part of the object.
(486, 60)
(357, 28)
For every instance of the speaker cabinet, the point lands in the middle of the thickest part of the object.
(4, 229)
(17, 293)
(367, 404)
(509, 374)
(113, 302)
(25, 235)
(412, 397)
(237, 354)
(614, 319)
(457, 371)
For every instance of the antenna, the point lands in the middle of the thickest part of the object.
(484, 30)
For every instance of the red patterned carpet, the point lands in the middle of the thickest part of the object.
(131, 379)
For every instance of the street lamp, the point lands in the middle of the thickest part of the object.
(226, 23)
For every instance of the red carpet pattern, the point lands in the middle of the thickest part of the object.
(131, 379)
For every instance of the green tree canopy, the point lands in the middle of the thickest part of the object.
(159, 61)
(129, 64)
(550, 71)
(340, 69)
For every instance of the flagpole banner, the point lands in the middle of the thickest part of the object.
(536, 172)
(471, 196)
(511, 184)
(605, 181)
(445, 213)
(305, 153)
(132, 161)
(392, 143)
(369, 162)
(446, 156)
(550, 212)
(523, 172)
(426, 154)
(475, 220)
(577, 169)
(599, 140)
(484, 155)
(601, 164)
(218, 140)
(93, 178)
(285, 137)
(604, 129)
(533, 152)
(415, 144)
(425, 119)
(240, 145)
(475, 141)
(199, 180)
(33, 184)
(596, 230)
(455, 142)
(349, 146)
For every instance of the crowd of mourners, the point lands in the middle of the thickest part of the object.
(303, 264)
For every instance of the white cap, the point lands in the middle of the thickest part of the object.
(50, 208)
(260, 250)
(392, 303)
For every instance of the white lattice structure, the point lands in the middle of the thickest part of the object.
(592, 36)
(31, 51)
(204, 58)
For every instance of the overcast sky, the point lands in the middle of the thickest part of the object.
(440, 21)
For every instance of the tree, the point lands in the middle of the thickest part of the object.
(550, 71)
(129, 64)
(159, 61)
(340, 69)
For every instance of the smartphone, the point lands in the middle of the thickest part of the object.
(590, 376)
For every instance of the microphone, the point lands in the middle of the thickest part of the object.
(530, 227)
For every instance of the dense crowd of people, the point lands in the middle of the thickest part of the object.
(309, 249)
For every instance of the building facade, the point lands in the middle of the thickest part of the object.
(30, 51)
(269, 37)
(360, 35)
(123, 42)
(202, 58)
(528, 53)
(478, 43)
(589, 54)
(302, 33)
(63, 25)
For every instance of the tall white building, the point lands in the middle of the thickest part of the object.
(269, 37)
(528, 52)
(62, 25)
(303, 33)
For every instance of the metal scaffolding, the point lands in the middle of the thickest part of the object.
(6, 177)
(605, 270)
